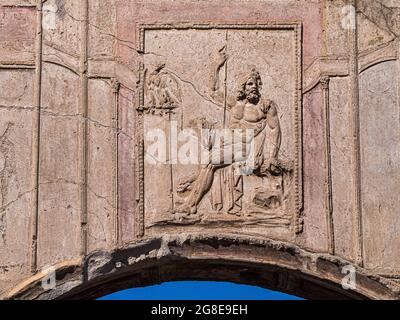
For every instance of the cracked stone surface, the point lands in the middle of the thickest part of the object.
(79, 93)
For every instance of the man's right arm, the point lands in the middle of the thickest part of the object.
(218, 91)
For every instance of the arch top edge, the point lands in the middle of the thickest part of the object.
(32, 283)
(201, 257)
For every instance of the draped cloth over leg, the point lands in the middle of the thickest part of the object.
(227, 191)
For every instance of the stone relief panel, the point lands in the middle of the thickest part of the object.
(127, 166)
(101, 29)
(315, 228)
(16, 190)
(221, 128)
(340, 118)
(8, 178)
(17, 35)
(62, 40)
(380, 156)
(59, 179)
(101, 164)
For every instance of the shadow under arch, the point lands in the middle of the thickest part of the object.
(264, 263)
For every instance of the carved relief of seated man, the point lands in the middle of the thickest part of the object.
(248, 111)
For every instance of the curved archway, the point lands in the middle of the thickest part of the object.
(265, 263)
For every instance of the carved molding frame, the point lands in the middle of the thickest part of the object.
(297, 28)
(328, 167)
(355, 133)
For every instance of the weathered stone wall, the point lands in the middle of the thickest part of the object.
(83, 81)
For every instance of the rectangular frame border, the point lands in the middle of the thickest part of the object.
(295, 26)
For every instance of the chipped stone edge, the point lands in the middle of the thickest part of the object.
(102, 266)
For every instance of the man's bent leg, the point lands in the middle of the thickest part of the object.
(201, 187)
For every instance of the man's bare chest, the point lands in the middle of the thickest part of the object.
(248, 112)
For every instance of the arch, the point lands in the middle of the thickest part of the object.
(268, 264)
(370, 64)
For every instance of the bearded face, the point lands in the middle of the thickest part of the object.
(252, 90)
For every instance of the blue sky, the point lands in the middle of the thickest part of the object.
(194, 290)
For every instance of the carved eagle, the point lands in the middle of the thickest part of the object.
(162, 89)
